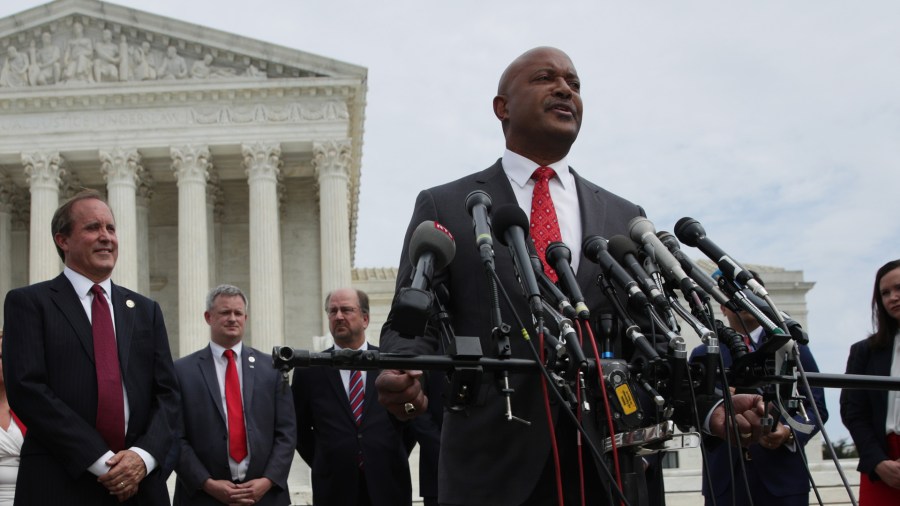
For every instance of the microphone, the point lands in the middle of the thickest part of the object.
(431, 248)
(511, 226)
(549, 290)
(595, 248)
(691, 232)
(693, 270)
(642, 231)
(478, 204)
(560, 257)
(623, 250)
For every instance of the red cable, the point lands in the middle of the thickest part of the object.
(553, 446)
(578, 433)
(612, 431)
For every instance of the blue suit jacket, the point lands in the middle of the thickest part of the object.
(780, 471)
(51, 381)
(268, 416)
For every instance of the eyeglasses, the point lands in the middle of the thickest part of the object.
(333, 311)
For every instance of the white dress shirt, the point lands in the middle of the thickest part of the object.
(892, 422)
(345, 373)
(562, 190)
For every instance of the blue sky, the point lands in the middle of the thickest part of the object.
(775, 124)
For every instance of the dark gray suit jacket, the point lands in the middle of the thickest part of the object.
(268, 416)
(864, 412)
(48, 358)
(485, 459)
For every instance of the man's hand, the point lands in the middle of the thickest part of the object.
(252, 490)
(749, 410)
(776, 438)
(222, 491)
(889, 472)
(400, 392)
(126, 471)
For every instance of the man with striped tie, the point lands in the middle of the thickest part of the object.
(238, 433)
(358, 454)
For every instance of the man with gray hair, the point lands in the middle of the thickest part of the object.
(239, 433)
(358, 454)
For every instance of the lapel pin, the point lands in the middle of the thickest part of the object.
(251, 359)
(129, 303)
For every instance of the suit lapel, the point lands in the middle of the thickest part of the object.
(248, 364)
(124, 315)
(496, 184)
(64, 297)
(593, 218)
(206, 364)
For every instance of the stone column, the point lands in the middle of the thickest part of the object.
(121, 168)
(331, 161)
(7, 202)
(44, 171)
(191, 165)
(262, 162)
(142, 206)
(213, 208)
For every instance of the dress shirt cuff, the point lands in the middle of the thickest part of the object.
(149, 461)
(99, 467)
(709, 416)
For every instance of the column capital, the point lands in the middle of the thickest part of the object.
(121, 166)
(144, 191)
(191, 163)
(332, 158)
(262, 160)
(44, 169)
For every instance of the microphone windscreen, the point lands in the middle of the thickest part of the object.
(619, 245)
(688, 231)
(475, 198)
(638, 227)
(431, 236)
(507, 216)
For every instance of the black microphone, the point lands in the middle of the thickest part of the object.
(478, 204)
(690, 232)
(707, 283)
(549, 290)
(595, 248)
(431, 248)
(642, 230)
(559, 257)
(511, 226)
(624, 251)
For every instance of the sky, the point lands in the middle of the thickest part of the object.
(775, 124)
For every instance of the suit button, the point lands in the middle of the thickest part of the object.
(359, 436)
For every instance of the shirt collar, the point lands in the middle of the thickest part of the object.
(519, 169)
(82, 285)
(218, 350)
(364, 347)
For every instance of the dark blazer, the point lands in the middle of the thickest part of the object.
(780, 471)
(864, 412)
(268, 417)
(48, 357)
(330, 442)
(484, 459)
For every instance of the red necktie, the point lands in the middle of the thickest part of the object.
(237, 434)
(544, 223)
(110, 397)
(356, 395)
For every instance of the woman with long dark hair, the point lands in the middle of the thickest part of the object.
(873, 416)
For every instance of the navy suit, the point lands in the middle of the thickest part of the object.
(268, 418)
(776, 477)
(864, 412)
(48, 357)
(331, 443)
(485, 460)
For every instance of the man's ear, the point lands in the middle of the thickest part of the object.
(500, 108)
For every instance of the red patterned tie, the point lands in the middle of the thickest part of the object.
(356, 395)
(237, 434)
(110, 397)
(544, 223)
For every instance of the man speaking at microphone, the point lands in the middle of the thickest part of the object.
(485, 459)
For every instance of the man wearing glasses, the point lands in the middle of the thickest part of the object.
(358, 454)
